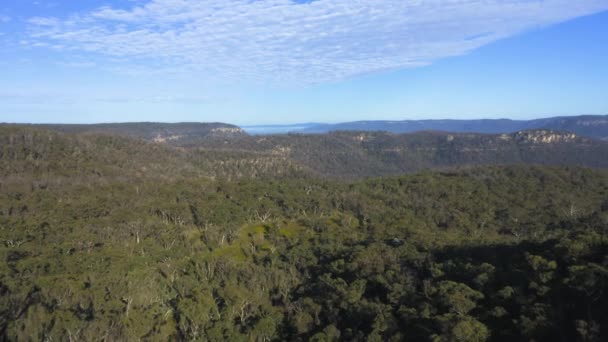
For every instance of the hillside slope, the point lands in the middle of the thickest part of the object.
(350, 155)
(170, 133)
(363, 154)
(41, 154)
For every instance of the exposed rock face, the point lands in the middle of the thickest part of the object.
(281, 150)
(184, 134)
(227, 131)
(593, 122)
(545, 137)
(163, 139)
(363, 137)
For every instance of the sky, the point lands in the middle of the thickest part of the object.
(291, 61)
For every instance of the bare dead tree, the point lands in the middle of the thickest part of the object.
(571, 211)
(263, 217)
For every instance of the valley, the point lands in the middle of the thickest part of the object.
(348, 236)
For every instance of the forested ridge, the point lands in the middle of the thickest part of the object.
(234, 155)
(179, 133)
(593, 126)
(353, 155)
(109, 238)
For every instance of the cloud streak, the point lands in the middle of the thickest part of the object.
(283, 41)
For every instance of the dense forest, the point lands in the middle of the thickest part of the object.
(362, 154)
(238, 238)
(225, 151)
(183, 132)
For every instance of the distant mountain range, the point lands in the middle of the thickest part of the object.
(192, 133)
(593, 126)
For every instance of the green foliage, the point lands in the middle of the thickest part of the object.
(174, 253)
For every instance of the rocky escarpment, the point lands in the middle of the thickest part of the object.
(590, 126)
(193, 136)
(545, 137)
(229, 131)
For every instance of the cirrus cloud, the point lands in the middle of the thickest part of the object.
(296, 42)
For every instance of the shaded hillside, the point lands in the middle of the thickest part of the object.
(593, 126)
(170, 133)
(361, 154)
(38, 153)
(51, 157)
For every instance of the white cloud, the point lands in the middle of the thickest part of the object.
(37, 96)
(281, 41)
(158, 98)
(77, 64)
(34, 97)
(42, 21)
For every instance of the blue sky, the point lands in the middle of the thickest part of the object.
(285, 61)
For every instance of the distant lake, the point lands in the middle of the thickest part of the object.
(273, 129)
